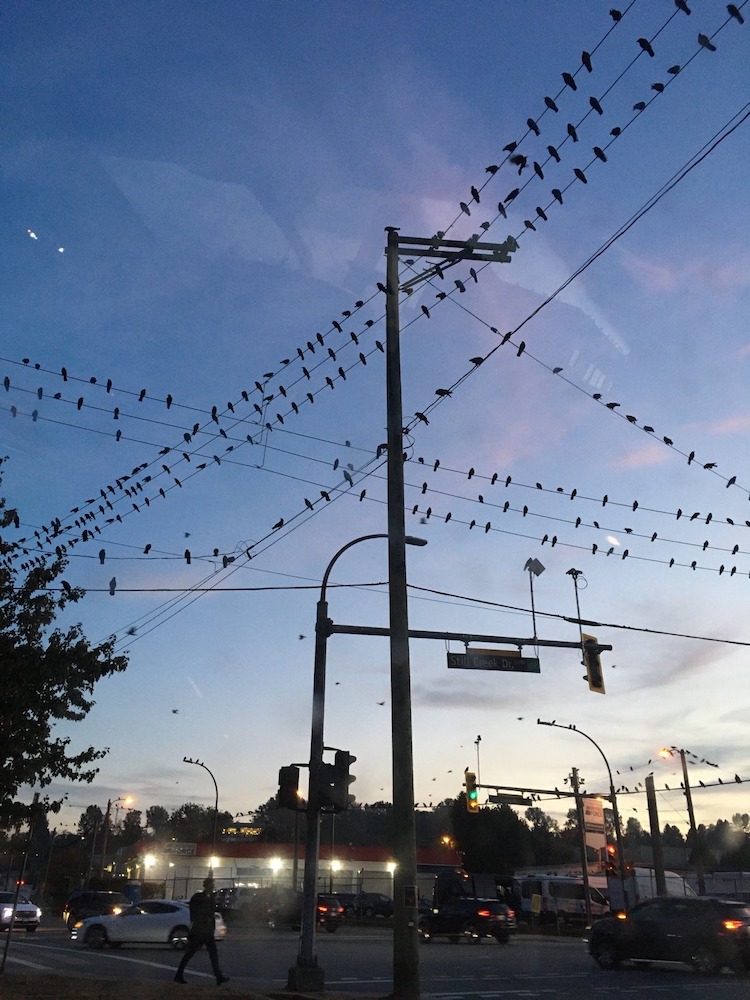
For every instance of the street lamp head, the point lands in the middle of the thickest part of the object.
(534, 566)
(413, 540)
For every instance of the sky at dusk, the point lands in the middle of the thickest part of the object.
(195, 200)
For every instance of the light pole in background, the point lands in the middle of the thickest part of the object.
(613, 800)
(189, 760)
(306, 974)
(110, 803)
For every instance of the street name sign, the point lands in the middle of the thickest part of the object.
(499, 659)
(509, 800)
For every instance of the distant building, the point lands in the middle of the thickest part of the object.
(181, 867)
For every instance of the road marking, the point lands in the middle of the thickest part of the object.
(31, 965)
(118, 958)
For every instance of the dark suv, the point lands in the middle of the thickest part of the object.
(91, 903)
(706, 932)
(368, 905)
(469, 919)
(287, 912)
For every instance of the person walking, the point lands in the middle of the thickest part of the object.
(202, 926)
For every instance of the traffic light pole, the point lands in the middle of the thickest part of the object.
(306, 974)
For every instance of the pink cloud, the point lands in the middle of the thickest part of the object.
(732, 425)
(732, 273)
(653, 454)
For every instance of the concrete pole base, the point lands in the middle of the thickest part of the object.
(306, 977)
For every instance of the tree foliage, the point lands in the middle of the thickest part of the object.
(49, 672)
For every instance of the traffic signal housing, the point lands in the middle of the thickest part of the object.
(472, 793)
(611, 865)
(592, 662)
(287, 796)
(335, 780)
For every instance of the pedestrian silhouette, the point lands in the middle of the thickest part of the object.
(202, 927)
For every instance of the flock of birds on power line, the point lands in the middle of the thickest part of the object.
(133, 485)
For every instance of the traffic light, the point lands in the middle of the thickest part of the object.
(611, 864)
(287, 796)
(592, 663)
(472, 794)
(335, 780)
(342, 761)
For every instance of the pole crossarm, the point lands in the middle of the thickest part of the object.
(464, 637)
(451, 252)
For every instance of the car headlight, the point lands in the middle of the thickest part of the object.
(78, 925)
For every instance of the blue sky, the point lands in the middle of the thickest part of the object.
(195, 191)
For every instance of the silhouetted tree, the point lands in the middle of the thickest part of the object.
(48, 674)
(157, 820)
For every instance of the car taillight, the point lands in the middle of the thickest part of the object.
(322, 909)
(483, 913)
(733, 925)
(511, 913)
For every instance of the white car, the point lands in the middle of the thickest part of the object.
(27, 913)
(152, 921)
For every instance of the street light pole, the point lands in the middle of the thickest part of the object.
(307, 974)
(189, 760)
(613, 800)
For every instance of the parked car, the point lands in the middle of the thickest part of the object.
(286, 911)
(468, 919)
(706, 932)
(27, 916)
(91, 903)
(368, 905)
(152, 921)
(244, 903)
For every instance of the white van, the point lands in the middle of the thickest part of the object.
(640, 884)
(558, 899)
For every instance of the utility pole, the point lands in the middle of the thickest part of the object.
(693, 828)
(582, 835)
(653, 818)
(406, 984)
(405, 919)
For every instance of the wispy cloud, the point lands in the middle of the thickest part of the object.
(730, 274)
(653, 453)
